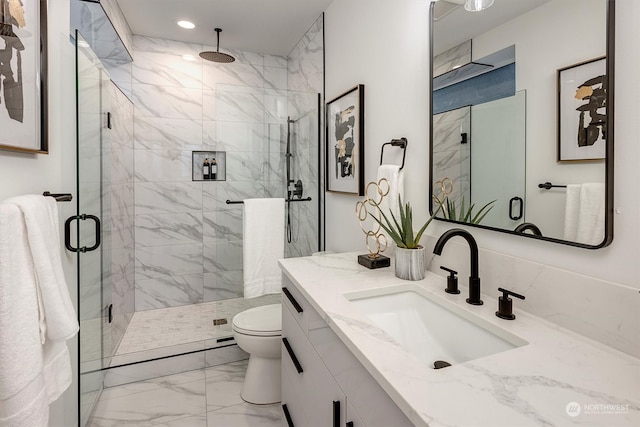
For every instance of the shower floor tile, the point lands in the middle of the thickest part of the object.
(200, 398)
(173, 326)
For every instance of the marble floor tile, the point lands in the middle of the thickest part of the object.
(163, 403)
(246, 415)
(195, 421)
(223, 388)
(199, 398)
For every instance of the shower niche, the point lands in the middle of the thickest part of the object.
(209, 165)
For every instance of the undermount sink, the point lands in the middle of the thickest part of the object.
(431, 328)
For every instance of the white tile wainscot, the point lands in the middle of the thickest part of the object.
(527, 386)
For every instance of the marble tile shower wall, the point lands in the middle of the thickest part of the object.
(305, 78)
(452, 159)
(118, 220)
(106, 29)
(452, 58)
(188, 241)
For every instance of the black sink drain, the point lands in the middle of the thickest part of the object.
(439, 364)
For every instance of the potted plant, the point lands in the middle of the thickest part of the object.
(410, 255)
(463, 213)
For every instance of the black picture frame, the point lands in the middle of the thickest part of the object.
(582, 90)
(344, 159)
(24, 106)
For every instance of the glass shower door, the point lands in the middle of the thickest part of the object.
(94, 292)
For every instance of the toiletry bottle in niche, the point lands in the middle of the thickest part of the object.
(206, 169)
(214, 168)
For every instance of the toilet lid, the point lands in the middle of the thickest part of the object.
(265, 320)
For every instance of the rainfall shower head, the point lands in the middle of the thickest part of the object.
(217, 56)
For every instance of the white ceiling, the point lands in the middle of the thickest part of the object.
(457, 25)
(264, 26)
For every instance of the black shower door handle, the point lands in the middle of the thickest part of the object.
(520, 206)
(67, 233)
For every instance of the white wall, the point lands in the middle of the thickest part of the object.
(26, 173)
(384, 45)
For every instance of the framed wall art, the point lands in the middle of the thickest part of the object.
(582, 111)
(344, 163)
(23, 75)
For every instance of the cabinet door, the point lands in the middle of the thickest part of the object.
(375, 407)
(313, 385)
(352, 418)
(298, 305)
(292, 407)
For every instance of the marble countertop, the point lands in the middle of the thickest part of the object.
(532, 385)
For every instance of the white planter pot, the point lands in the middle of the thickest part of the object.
(411, 263)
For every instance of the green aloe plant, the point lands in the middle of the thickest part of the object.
(464, 213)
(402, 231)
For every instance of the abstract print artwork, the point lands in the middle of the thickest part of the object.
(345, 142)
(582, 111)
(23, 53)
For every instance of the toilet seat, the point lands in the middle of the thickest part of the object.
(263, 321)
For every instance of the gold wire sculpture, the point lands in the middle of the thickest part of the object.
(445, 186)
(380, 190)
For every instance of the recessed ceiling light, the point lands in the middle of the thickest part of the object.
(188, 57)
(187, 24)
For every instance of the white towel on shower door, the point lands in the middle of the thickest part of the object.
(263, 246)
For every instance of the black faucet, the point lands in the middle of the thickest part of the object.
(474, 278)
(528, 226)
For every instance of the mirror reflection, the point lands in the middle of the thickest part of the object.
(520, 125)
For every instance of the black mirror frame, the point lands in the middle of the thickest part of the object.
(609, 162)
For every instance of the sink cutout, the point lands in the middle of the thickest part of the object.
(433, 331)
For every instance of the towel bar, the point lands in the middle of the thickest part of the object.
(238, 202)
(547, 185)
(60, 197)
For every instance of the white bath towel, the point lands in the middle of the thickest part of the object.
(263, 246)
(395, 177)
(32, 375)
(571, 211)
(584, 213)
(43, 232)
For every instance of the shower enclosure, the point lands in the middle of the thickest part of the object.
(157, 296)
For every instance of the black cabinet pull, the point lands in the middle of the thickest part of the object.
(67, 233)
(110, 313)
(520, 205)
(292, 299)
(336, 413)
(287, 415)
(292, 355)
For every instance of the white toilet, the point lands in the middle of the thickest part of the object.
(258, 332)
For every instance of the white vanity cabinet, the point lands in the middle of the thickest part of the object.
(323, 384)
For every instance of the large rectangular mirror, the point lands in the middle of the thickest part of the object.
(521, 136)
